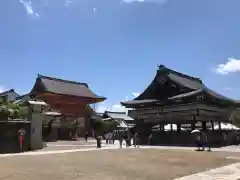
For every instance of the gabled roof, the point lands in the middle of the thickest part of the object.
(96, 117)
(8, 91)
(139, 102)
(186, 94)
(22, 99)
(189, 83)
(203, 90)
(191, 86)
(122, 123)
(185, 81)
(63, 87)
(118, 115)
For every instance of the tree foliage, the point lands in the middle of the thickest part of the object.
(110, 126)
(10, 110)
(100, 127)
(89, 110)
(235, 117)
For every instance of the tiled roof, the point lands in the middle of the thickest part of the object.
(186, 82)
(186, 94)
(8, 91)
(118, 115)
(64, 87)
(22, 99)
(191, 86)
(122, 125)
(206, 90)
(145, 101)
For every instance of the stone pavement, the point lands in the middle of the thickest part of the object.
(32, 153)
(230, 172)
(222, 149)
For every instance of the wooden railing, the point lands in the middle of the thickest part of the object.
(193, 109)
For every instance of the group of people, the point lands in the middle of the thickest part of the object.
(202, 141)
(122, 136)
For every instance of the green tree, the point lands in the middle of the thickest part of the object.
(97, 127)
(90, 110)
(110, 125)
(100, 127)
(10, 110)
(235, 117)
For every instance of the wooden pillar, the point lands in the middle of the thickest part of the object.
(178, 127)
(193, 125)
(219, 125)
(204, 127)
(162, 125)
(212, 125)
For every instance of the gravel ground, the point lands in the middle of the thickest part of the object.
(118, 164)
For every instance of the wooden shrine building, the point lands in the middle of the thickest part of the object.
(178, 99)
(124, 120)
(67, 97)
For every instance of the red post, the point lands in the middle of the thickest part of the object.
(21, 141)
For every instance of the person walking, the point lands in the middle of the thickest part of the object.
(125, 137)
(120, 140)
(108, 137)
(114, 136)
(150, 139)
(86, 136)
(205, 142)
(197, 135)
(198, 141)
(136, 140)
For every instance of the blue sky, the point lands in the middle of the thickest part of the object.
(116, 45)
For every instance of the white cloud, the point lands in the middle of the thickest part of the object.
(68, 2)
(2, 89)
(141, 1)
(129, 1)
(135, 94)
(94, 9)
(115, 108)
(29, 8)
(232, 65)
(228, 89)
(101, 107)
(118, 108)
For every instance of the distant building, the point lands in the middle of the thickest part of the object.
(9, 96)
(124, 120)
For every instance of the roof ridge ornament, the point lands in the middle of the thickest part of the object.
(161, 66)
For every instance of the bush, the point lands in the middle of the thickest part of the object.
(12, 111)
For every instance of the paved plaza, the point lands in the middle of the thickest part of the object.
(230, 172)
(80, 160)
